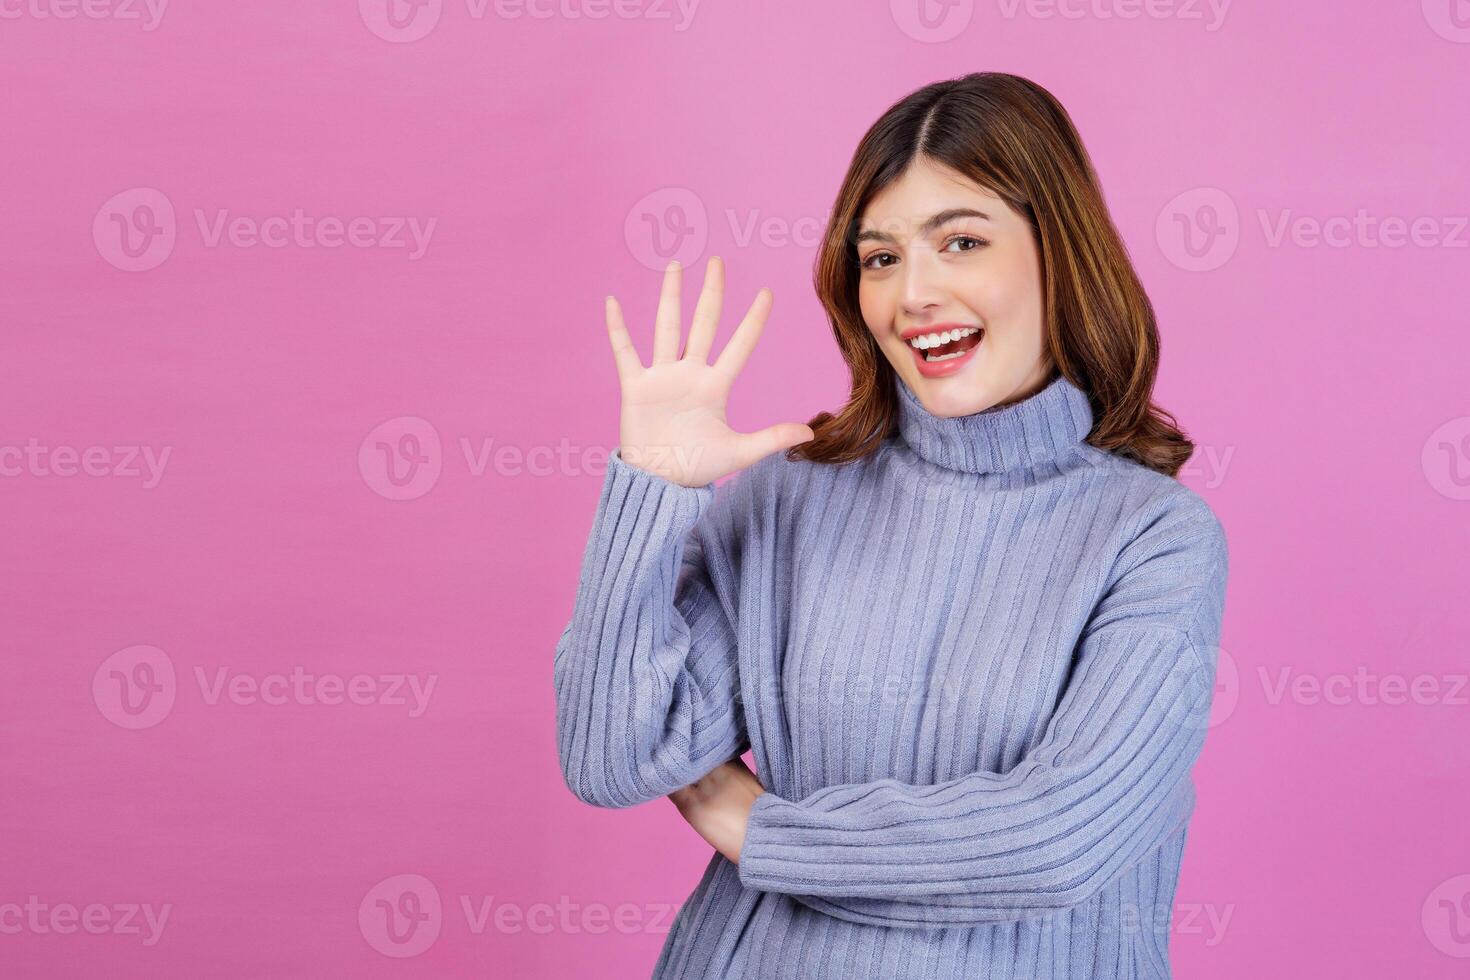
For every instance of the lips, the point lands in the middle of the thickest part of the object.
(947, 350)
(949, 357)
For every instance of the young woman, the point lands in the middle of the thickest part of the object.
(967, 625)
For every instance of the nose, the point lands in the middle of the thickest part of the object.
(922, 291)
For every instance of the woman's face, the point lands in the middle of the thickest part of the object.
(930, 264)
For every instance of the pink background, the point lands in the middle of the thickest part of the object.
(1325, 386)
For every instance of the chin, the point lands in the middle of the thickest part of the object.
(961, 394)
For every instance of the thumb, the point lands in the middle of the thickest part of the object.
(758, 445)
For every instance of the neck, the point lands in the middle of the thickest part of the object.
(1039, 428)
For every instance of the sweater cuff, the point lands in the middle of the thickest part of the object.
(624, 472)
(639, 505)
(759, 867)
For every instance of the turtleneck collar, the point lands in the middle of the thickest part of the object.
(1038, 428)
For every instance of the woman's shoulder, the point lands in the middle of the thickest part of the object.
(1158, 501)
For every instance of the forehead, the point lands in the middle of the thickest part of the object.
(925, 189)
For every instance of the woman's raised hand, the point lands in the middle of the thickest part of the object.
(673, 418)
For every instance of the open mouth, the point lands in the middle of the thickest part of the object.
(947, 345)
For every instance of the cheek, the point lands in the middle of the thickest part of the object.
(1009, 296)
(876, 308)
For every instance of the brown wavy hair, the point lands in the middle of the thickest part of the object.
(1012, 137)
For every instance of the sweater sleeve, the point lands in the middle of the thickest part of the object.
(645, 673)
(1108, 781)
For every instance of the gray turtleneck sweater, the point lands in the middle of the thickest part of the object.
(974, 668)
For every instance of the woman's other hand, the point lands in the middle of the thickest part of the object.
(718, 805)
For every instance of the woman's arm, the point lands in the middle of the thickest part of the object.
(646, 675)
(1106, 784)
(647, 690)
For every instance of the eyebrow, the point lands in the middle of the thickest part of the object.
(934, 222)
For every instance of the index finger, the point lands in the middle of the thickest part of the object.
(742, 342)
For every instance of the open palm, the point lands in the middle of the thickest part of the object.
(673, 416)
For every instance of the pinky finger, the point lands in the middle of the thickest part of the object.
(625, 355)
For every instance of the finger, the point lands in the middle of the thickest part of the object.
(666, 321)
(707, 310)
(742, 342)
(625, 355)
(754, 446)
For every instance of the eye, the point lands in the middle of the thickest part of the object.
(867, 263)
(976, 242)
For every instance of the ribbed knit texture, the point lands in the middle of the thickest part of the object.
(975, 670)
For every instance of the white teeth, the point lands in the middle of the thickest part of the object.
(928, 340)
